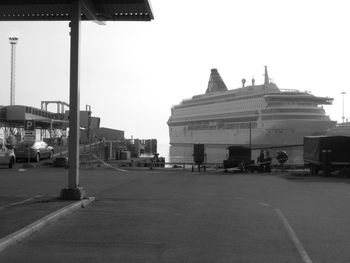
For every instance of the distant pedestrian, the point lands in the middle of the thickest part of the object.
(261, 160)
(261, 157)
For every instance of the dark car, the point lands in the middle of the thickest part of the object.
(37, 150)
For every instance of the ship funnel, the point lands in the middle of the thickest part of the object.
(243, 83)
(215, 82)
(266, 83)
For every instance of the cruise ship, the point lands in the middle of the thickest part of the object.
(253, 115)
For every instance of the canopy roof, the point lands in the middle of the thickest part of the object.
(59, 10)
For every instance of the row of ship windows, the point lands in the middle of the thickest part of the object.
(220, 123)
(249, 100)
(223, 126)
(290, 103)
(258, 103)
(299, 117)
(321, 110)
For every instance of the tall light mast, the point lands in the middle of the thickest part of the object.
(13, 42)
(343, 116)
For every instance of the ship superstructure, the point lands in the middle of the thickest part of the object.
(257, 115)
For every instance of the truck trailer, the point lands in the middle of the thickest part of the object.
(326, 153)
(238, 157)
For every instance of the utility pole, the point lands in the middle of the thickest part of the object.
(250, 139)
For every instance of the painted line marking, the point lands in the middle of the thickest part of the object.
(293, 236)
(264, 204)
(20, 202)
(161, 172)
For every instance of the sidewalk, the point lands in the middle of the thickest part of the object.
(30, 195)
(15, 216)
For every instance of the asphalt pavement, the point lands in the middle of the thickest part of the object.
(169, 215)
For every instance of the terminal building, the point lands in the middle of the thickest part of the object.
(51, 125)
(54, 128)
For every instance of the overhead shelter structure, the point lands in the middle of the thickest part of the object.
(75, 11)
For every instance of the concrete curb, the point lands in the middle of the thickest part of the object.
(39, 224)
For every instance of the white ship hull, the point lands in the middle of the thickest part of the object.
(269, 134)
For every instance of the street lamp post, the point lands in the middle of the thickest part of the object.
(343, 117)
(13, 42)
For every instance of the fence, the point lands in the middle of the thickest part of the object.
(103, 150)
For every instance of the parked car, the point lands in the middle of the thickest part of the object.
(37, 150)
(7, 155)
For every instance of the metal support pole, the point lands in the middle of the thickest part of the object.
(74, 191)
(250, 139)
(74, 101)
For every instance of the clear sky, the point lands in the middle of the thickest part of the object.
(133, 72)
